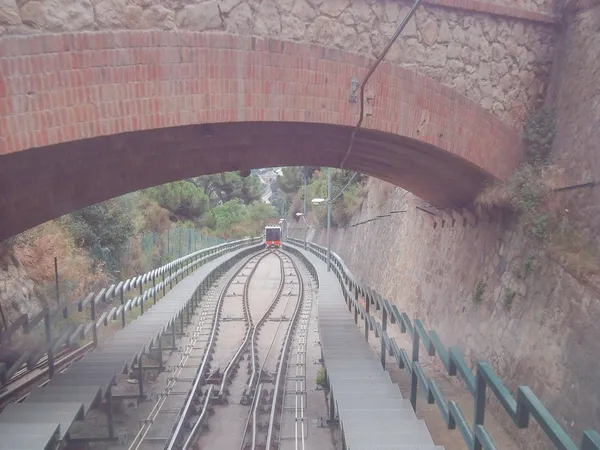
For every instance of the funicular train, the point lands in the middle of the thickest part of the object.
(273, 236)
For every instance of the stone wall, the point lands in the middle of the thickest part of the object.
(575, 93)
(499, 61)
(545, 335)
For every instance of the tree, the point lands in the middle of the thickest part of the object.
(226, 214)
(290, 180)
(223, 187)
(182, 199)
(278, 198)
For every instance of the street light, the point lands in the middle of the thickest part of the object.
(304, 209)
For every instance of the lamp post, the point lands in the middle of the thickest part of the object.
(304, 210)
(306, 226)
(318, 201)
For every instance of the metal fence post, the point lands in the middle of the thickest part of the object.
(48, 329)
(154, 286)
(367, 309)
(94, 330)
(123, 314)
(383, 331)
(141, 298)
(479, 415)
(413, 371)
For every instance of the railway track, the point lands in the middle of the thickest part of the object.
(253, 327)
(207, 326)
(262, 422)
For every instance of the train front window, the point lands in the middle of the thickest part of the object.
(272, 234)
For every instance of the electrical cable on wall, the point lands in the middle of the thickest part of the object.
(363, 84)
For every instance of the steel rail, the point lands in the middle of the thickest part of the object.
(205, 406)
(261, 321)
(285, 350)
(252, 413)
(202, 368)
(252, 416)
(144, 430)
(153, 414)
(248, 316)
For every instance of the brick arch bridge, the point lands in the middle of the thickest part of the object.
(86, 117)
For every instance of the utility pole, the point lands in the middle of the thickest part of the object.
(304, 211)
(328, 219)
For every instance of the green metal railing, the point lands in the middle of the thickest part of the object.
(476, 437)
(128, 294)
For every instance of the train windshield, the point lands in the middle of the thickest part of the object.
(273, 234)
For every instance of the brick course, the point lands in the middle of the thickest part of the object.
(59, 89)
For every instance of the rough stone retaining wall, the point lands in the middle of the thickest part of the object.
(576, 95)
(497, 53)
(548, 338)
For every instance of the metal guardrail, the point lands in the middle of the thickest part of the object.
(151, 285)
(476, 437)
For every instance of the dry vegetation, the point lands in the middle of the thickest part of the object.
(78, 274)
(542, 212)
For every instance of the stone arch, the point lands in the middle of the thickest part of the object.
(87, 116)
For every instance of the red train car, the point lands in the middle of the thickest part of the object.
(273, 237)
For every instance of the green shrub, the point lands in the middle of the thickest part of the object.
(322, 377)
(538, 134)
(104, 229)
(478, 292)
(509, 296)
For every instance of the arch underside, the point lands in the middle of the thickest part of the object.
(41, 184)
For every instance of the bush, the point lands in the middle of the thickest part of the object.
(322, 377)
(538, 134)
(104, 229)
(509, 296)
(478, 292)
(346, 204)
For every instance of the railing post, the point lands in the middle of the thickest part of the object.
(154, 286)
(383, 331)
(413, 371)
(331, 405)
(367, 310)
(94, 330)
(123, 314)
(48, 329)
(110, 412)
(356, 305)
(141, 376)
(479, 416)
(141, 297)
(173, 335)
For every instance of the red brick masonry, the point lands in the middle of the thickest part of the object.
(62, 88)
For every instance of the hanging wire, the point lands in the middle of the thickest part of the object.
(363, 83)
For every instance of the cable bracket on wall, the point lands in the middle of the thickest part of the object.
(354, 84)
